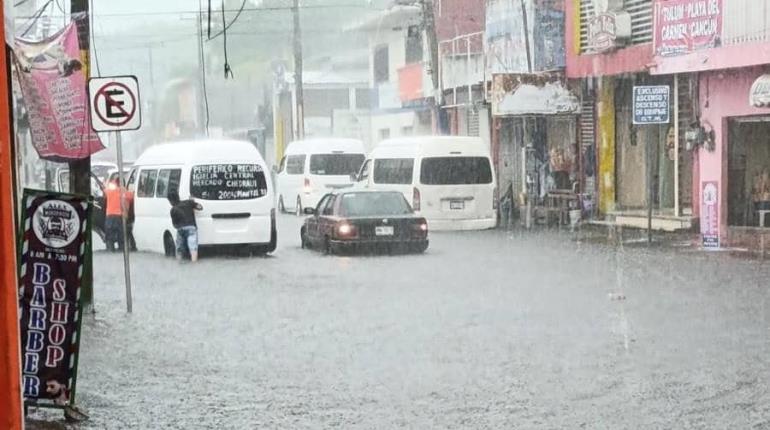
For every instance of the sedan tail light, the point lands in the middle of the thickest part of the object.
(346, 230)
(420, 226)
(415, 199)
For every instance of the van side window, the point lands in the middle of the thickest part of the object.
(365, 169)
(393, 170)
(147, 179)
(168, 180)
(295, 164)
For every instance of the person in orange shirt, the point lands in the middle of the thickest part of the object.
(114, 222)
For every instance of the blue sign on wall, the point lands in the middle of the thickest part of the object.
(652, 104)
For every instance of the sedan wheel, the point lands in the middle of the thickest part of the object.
(303, 239)
(328, 247)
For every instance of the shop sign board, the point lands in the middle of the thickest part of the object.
(685, 26)
(709, 223)
(52, 254)
(651, 104)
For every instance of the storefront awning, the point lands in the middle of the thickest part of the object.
(541, 94)
(760, 92)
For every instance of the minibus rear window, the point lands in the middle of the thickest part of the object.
(227, 182)
(455, 171)
(335, 164)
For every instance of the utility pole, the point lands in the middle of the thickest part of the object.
(429, 25)
(80, 170)
(299, 96)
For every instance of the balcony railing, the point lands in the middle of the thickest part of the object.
(745, 21)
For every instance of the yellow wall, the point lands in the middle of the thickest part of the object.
(606, 144)
(576, 25)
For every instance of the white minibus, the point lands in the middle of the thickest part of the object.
(449, 180)
(228, 178)
(312, 168)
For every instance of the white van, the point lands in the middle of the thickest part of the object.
(449, 180)
(311, 168)
(228, 178)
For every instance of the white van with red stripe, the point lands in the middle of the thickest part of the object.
(449, 180)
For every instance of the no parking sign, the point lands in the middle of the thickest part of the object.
(114, 103)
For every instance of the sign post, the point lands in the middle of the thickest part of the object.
(115, 107)
(651, 105)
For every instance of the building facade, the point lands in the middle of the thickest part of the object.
(609, 52)
(721, 48)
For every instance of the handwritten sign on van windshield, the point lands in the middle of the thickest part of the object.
(228, 182)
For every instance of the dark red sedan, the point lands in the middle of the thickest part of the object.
(354, 220)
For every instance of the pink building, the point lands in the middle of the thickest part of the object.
(724, 46)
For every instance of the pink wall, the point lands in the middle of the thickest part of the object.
(723, 94)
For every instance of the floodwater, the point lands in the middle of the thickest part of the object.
(486, 330)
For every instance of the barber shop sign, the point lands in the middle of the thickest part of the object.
(51, 257)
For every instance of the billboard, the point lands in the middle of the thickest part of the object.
(685, 26)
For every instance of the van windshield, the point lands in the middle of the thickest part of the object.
(393, 170)
(227, 182)
(455, 171)
(335, 164)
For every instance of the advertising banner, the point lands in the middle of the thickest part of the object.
(51, 261)
(709, 214)
(684, 26)
(53, 85)
(505, 44)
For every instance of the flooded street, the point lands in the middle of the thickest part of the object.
(486, 330)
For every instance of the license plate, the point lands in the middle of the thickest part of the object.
(383, 230)
(456, 205)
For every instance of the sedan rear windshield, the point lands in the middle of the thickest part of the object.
(335, 164)
(455, 171)
(374, 204)
(228, 182)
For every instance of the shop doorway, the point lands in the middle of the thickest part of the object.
(748, 172)
(631, 158)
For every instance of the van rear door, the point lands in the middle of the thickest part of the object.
(456, 187)
(236, 203)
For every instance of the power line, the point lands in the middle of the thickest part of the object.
(202, 59)
(36, 16)
(245, 9)
(92, 30)
(226, 27)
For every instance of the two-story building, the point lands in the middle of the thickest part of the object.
(717, 53)
(402, 89)
(609, 52)
(534, 110)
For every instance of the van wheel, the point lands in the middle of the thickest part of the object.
(298, 207)
(281, 207)
(169, 247)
